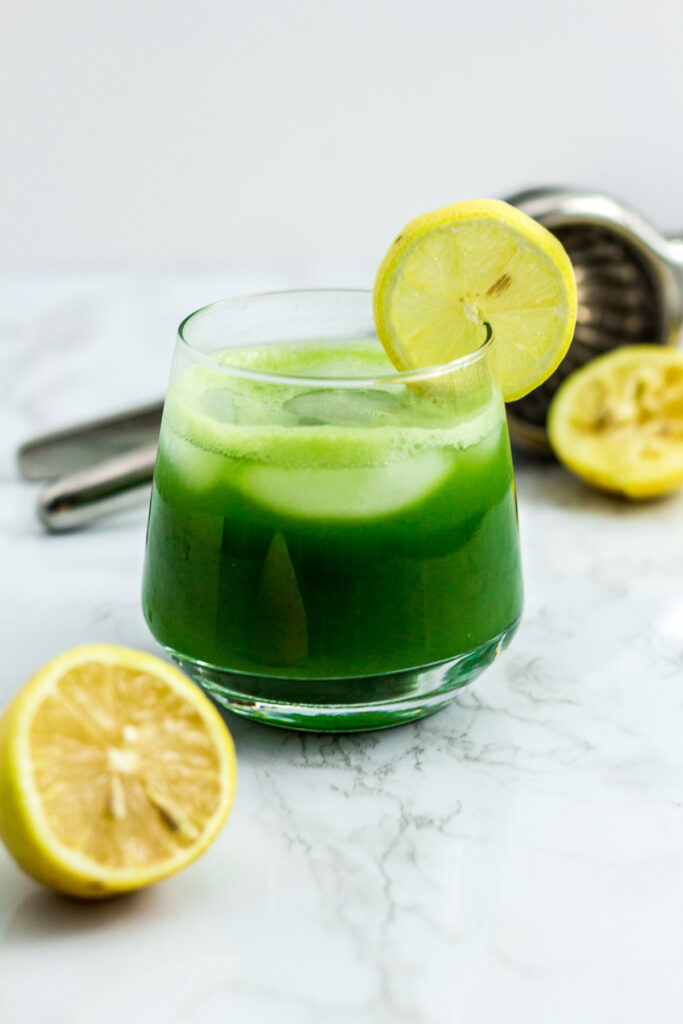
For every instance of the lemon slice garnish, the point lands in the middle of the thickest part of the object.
(115, 771)
(618, 421)
(452, 275)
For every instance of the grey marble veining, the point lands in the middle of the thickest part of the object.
(516, 857)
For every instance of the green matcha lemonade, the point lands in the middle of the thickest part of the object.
(332, 542)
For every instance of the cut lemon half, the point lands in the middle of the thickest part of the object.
(115, 771)
(618, 421)
(455, 275)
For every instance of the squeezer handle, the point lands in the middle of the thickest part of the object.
(109, 486)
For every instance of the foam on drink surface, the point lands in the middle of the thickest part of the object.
(329, 452)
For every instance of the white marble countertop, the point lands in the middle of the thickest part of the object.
(517, 857)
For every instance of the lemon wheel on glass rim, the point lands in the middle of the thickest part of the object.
(453, 275)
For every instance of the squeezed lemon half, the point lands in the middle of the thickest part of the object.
(454, 274)
(115, 771)
(618, 421)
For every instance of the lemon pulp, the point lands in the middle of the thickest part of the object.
(618, 421)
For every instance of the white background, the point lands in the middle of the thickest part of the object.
(297, 137)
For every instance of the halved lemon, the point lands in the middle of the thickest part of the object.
(451, 275)
(115, 771)
(618, 421)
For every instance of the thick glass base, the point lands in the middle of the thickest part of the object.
(344, 705)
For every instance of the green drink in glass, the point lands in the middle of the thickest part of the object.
(332, 545)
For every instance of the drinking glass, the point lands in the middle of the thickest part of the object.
(332, 544)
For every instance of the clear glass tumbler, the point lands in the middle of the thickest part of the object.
(332, 545)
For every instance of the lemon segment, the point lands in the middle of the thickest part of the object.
(115, 771)
(452, 272)
(618, 421)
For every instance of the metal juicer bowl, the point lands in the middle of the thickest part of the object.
(629, 281)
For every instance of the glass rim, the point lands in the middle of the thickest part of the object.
(414, 376)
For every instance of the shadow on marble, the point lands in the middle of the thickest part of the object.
(269, 739)
(45, 916)
(555, 487)
(466, 730)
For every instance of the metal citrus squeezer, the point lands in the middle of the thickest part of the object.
(629, 280)
(630, 289)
